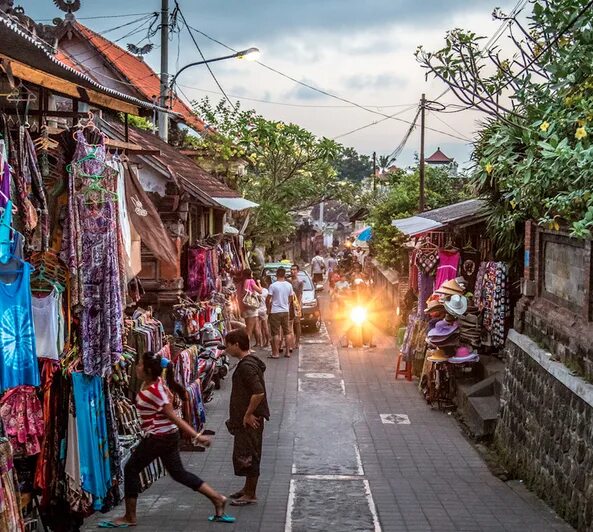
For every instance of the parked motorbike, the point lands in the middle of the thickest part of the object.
(207, 372)
(211, 338)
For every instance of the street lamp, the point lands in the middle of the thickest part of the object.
(251, 54)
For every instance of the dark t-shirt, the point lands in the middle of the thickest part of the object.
(297, 286)
(248, 380)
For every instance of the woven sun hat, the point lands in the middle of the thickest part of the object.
(463, 351)
(443, 330)
(437, 355)
(450, 288)
(434, 305)
(456, 305)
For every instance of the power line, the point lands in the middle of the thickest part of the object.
(519, 6)
(400, 147)
(189, 30)
(329, 94)
(99, 17)
(549, 46)
(288, 104)
(374, 123)
(435, 115)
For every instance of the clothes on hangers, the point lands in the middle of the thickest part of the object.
(22, 418)
(447, 267)
(48, 319)
(18, 356)
(11, 516)
(91, 427)
(93, 258)
(492, 298)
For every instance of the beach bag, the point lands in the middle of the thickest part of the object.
(251, 300)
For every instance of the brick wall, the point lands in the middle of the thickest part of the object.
(545, 431)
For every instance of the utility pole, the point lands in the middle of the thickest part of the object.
(374, 171)
(164, 117)
(422, 202)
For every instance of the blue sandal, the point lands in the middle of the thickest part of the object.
(111, 524)
(224, 518)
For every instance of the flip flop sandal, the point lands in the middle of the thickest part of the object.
(224, 518)
(242, 502)
(271, 356)
(236, 495)
(111, 524)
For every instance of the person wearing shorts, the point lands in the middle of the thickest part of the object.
(278, 300)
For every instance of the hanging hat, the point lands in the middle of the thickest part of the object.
(446, 341)
(456, 305)
(450, 288)
(437, 355)
(434, 305)
(443, 330)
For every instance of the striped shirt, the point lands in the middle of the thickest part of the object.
(150, 403)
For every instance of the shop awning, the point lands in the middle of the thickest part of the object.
(415, 225)
(236, 204)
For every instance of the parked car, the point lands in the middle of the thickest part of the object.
(311, 313)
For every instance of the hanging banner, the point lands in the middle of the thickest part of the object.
(146, 220)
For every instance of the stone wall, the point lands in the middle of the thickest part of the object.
(545, 431)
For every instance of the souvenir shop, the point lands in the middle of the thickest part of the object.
(461, 308)
(70, 326)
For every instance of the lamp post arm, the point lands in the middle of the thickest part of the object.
(171, 85)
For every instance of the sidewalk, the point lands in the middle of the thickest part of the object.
(330, 461)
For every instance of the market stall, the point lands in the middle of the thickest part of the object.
(459, 295)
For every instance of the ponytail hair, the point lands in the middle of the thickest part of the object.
(155, 365)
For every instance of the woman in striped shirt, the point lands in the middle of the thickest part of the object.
(161, 428)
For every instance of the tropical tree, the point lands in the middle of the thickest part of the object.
(353, 166)
(384, 162)
(401, 201)
(533, 157)
(288, 169)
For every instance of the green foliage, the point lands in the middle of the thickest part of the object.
(288, 169)
(534, 156)
(401, 201)
(352, 166)
(138, 122)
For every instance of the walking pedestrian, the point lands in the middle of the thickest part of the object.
(278, 301)
(161, 427)
(332, 264)
(248, 411)
(263, 312)
(249, 313)
(318, 267)
(298, 286)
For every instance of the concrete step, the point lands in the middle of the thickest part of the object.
(481, 415)
(491, 365)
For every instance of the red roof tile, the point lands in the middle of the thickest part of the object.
(439, 157)
(134, 70)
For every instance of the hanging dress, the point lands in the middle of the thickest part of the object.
(93, 257)
(18, 356)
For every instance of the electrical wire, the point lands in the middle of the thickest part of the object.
(519, 6)
(288, 104)
(435, 115)
(329, 94)
(374, 123)
(550, 44)
(400, 147)
(189, 30)
(98, 17)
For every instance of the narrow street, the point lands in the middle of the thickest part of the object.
(348, 448)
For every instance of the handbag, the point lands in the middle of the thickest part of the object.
(251, 300)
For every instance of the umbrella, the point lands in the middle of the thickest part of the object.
(365, 235)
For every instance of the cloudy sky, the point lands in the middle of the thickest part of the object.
(360, 50)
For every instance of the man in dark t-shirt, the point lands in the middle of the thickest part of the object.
(247, 411)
